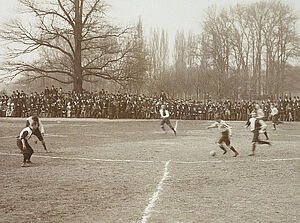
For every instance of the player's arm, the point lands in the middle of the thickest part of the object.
(23, 140)
(214, 125)
(230, 131)
(41, 126)
(247, 124)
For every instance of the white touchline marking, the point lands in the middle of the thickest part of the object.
(147, 211)
(8, 137)
(236, 161)
(86, 159)
(157, 161)
(54, 135)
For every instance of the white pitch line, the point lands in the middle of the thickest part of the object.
(86, 159)
(54, 135)
(236, 161)
(147, 211)
(158, 161)
(8, 137)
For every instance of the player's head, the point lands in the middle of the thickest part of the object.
(34, 125)
(163, 106)
(35, 118)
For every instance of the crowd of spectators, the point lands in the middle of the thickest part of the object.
(53, 102)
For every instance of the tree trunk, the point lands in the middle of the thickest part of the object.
(77, 85)
(78, 79)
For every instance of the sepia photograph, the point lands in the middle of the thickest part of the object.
(149, 111)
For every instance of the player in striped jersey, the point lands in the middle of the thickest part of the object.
(23, 145)
(225, 130)
(257, 126)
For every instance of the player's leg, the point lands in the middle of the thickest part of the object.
(30, 152)
(170, 125)
(266, 134)
(20, 146)
(220, 144)
(227, 142)
(273, 123)
(263, 142)
(253, 149)
(162, 125)
(254, 141)
(27, 152)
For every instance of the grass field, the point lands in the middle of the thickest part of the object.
(130, 171)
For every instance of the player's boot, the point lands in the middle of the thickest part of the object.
(235, 152)
(23, 165)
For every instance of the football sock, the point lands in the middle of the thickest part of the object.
(222, 147)
(233, 149)
(266, 134)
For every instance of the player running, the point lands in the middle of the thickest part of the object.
(261, 115)
(165, 119)
(225, 129)
(257, 126)
(274, 115)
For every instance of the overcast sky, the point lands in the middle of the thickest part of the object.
(171, 15)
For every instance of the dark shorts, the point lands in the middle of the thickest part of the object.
(225, 138)
(275, 119)
(38, 134)
(28, 149)
(165, 121)
(255, 136)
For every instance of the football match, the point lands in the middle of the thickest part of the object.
(131, 171)
(149, 111)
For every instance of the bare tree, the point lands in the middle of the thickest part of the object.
(73, 39)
